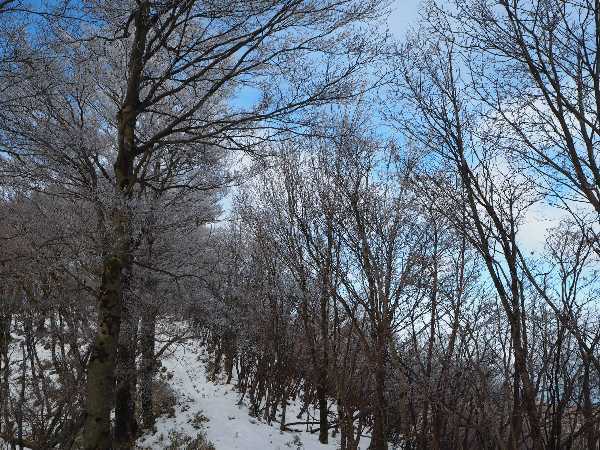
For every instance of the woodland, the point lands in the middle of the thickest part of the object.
(399, 234)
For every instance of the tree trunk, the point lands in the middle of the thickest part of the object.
(5, 322)
(379, 435)
(284, 397)
(323, 421)
(125, 422)
(21, 398)
(148, 330)
(342, 422)
(588, 408)
(528, 394)
(516, 419)
(324, 365)
(101, 366)
(229, 347)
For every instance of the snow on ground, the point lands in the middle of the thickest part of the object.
(229, 426)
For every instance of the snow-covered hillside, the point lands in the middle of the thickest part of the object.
(229, 426)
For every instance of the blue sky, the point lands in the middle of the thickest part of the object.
(404, 14)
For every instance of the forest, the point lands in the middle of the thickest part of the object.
(388, 240)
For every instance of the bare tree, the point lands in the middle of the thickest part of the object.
(494, 194)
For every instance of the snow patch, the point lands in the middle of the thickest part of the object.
(229, 425)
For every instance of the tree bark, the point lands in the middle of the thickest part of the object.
(5, 322)
(125, 422)
(147, 335)
(379, 434)
(101, 366)
(323, 422)
(588, 408)
(324, 364)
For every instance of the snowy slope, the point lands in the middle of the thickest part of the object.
(229, 426)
